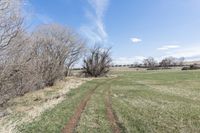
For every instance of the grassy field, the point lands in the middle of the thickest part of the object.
(146, 101)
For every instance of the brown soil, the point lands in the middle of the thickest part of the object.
(111, 116)
(72, 123)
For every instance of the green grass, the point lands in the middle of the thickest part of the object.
(93, 119)
(158, 101)
(54, 120)
(144, 102)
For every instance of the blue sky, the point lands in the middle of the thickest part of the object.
(134, 28)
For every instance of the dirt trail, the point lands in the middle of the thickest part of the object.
(72, 123)
(111, 116)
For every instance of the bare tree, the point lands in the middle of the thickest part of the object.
(10, 21)
(167, 62)
(98, 62)
(50, 52)
(10, 32)
(171, 61)
(150, 62)
(55, 47)
(76, 50)
(33, 61)
(14, 75)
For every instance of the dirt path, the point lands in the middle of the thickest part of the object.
(72, 123)
(111, 116)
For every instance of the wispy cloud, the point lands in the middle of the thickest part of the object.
(32, 17)
(95, 31)
(136, 40)
(168, 47)
(44, 18)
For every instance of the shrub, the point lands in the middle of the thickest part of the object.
(97, 63)
(191, 67)
(185, 68)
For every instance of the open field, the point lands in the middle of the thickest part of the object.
(148, 101)
(84, 66)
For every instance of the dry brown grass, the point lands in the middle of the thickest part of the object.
(30, 106)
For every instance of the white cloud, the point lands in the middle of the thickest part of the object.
(168, 47)
(128, 60)
(189, 52)
(186, 52)
(136, 40)
(95, 31)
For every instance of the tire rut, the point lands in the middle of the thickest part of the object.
(111, 116)
(72, 123)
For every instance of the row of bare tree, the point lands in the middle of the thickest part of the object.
(153, 63)
(165, 63)
(30, 61)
